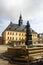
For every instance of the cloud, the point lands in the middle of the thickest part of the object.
(37, 24)
(3, 24)
(31, 10)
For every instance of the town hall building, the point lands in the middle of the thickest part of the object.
(16, 33)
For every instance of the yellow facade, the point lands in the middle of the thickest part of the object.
(40, 38)
(34, 37)
(9, 36)
(13, 36)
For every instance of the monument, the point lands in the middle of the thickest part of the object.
(28, 34)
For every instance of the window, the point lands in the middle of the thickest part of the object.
(10, 27)
(8, 37)
(13, 38)
(19, 38)
(13, 33)
(22, 42)
(19, 34)
(22, 38)
(25, 34)
(33, 35)
(16, 33)
(25, 38)
(22, 34)
(16, 38)
(19, 43)
(8, 33)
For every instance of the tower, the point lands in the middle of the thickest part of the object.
(20, 20)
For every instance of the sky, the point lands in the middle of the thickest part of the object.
(31, 10)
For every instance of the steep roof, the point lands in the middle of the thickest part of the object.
(33, 31)
(16, 27)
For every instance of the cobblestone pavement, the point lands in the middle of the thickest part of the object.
(3, 62)
(3, 48)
